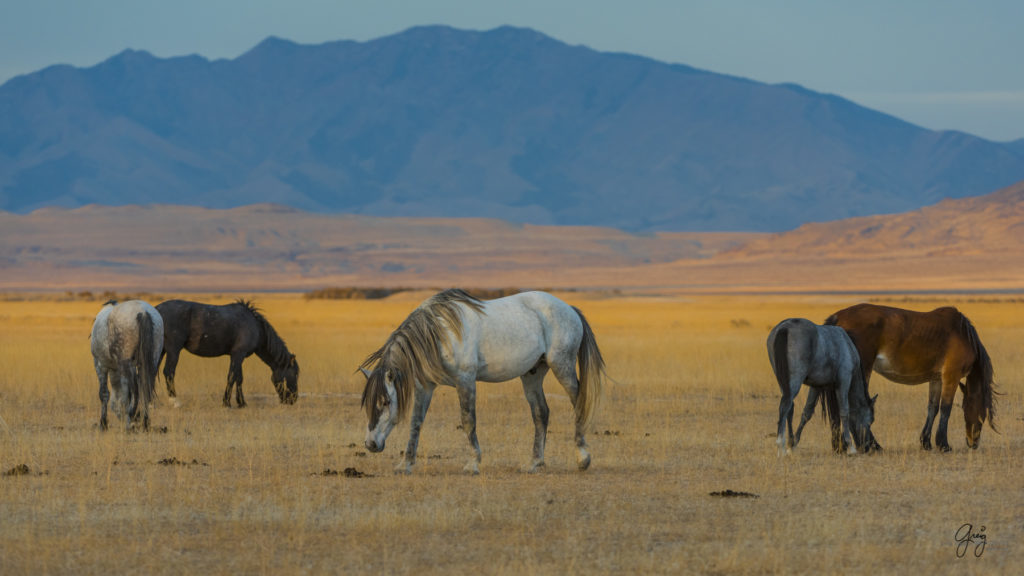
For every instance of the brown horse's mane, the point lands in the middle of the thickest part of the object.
(980, 379)
(412, 353)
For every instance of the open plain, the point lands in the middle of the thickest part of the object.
(690, 410)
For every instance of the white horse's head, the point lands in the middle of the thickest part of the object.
(380, 400)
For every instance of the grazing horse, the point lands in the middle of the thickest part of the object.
(830, 408)
(237, 329)
(126, 342)
(801, 352)
(939, 347)
(454, 339)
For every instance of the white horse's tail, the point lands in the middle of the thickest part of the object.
(144, 363)
(592, 375)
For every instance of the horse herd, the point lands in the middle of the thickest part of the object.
(457, 340)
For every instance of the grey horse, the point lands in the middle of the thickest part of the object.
(127, 340)
(454, 339)
(824, 358)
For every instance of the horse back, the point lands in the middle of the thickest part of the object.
(209, 330)
(177, 317)
(512, 334)
(815, 354)
(905, 345)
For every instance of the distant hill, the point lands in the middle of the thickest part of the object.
(506, 123)
(967, 245)
(964, 245)
(270, 247)
(991, 225)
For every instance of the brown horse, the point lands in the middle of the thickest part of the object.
(939, 347)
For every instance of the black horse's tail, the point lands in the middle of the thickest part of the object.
(981, 375)
(146, 368)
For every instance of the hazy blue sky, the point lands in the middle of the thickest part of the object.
(942, 64)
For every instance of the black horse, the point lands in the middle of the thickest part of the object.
(238, 329)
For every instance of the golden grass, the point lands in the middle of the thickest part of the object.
(691, 410)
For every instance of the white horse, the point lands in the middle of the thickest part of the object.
(127, 340)
(454, 339)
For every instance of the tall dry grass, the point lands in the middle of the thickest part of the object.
(691, 410)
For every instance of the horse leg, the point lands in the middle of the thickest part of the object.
(467, 401)
(533, 387)
(786, 414)
(950, 383)
(812, 402)
(785, 406)
(170, 366)
(101, 373)
(235, 379)
(129, 387)
(934, 391)
(120, 394)
(566, 375)
(423, 395)
(843, 391)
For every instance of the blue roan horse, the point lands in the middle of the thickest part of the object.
(454, 339)
(823, 357)
(126, 341)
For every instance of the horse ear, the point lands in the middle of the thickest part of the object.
(291, 361)
(873, 398)
(365, 372)
(962, 388)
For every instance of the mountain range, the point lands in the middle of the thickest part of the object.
(506, 123)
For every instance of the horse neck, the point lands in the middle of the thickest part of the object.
(858, 393)
(271, 348)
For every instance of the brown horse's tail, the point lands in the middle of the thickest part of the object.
(981, 376)
(592, 375)
(144, 362)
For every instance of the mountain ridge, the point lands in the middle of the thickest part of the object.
(507, 123)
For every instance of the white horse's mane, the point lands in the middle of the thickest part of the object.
(413, 351)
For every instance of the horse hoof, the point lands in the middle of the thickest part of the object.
(473, 469)
(536, 468)
(945, 448)
(175, 403)
(583, 463)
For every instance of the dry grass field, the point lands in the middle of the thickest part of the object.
(691, 410)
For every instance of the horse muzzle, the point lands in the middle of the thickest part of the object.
(373, 446)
